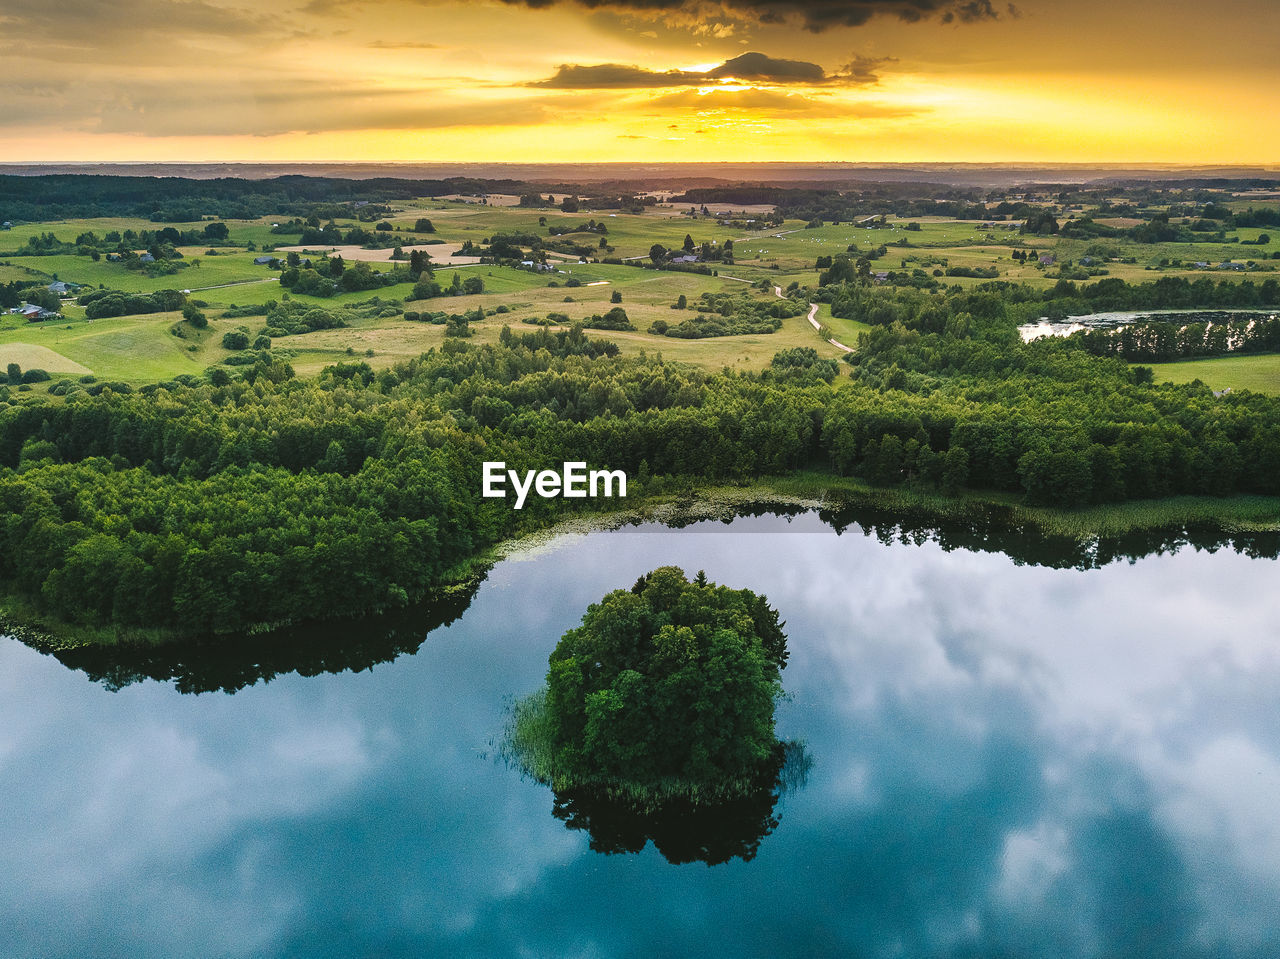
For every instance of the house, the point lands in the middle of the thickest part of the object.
(30, 312)
(1048, 259)
(114, 258)
(146, 258)
(1231, 265)
(263, 260)
(6, 225)
(62, 289)
(882, 277)
(684, 259)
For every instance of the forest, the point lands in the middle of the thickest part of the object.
(252, 498)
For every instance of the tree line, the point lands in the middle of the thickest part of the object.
(249, 497)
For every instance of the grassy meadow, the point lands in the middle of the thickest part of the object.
(1259, 373)
(147, 348)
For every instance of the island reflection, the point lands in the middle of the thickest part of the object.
(684, 831)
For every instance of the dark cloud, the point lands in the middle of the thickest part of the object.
(971, 11)
(864, 69)
(756, 67)
(814, 15)
(615, 76)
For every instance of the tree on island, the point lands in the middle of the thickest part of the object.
(664, 693)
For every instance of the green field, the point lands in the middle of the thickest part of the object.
(145, 348)
(230, 267)
(31, 356)
(843, 330)
(131, 349)
(629, 234)
(1260, 373)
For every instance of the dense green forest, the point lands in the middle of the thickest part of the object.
(182, 199)
(254, 498)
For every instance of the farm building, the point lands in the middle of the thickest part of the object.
(30, 312)
(261, 260)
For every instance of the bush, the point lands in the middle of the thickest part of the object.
(235, 340)
(615, 319)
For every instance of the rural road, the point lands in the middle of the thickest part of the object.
(813, 321)
(223, 286)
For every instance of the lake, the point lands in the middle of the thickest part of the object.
(1103, 321)
(1007, 759)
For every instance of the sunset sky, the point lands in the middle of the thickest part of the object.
(1178, 81)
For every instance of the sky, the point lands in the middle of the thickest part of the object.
(1096, 81)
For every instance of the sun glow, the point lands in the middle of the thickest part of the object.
(580, 85)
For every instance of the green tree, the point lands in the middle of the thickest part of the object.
(955, 470)
(665, 690)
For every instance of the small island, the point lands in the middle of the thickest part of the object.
(664, 693)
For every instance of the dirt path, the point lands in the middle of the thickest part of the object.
(223, 286)
(813, 321)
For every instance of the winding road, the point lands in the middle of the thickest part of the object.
(813, 321)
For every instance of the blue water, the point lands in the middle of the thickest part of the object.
(1008, 760)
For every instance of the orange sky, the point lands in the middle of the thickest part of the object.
(858, 80)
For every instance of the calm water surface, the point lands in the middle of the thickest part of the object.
(1095, 321)
(1008, 760)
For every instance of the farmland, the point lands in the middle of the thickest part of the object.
(223, 276)
(1261, 374)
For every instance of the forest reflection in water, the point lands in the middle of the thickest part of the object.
(229, 663)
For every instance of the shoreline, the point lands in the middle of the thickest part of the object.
(805, 491)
